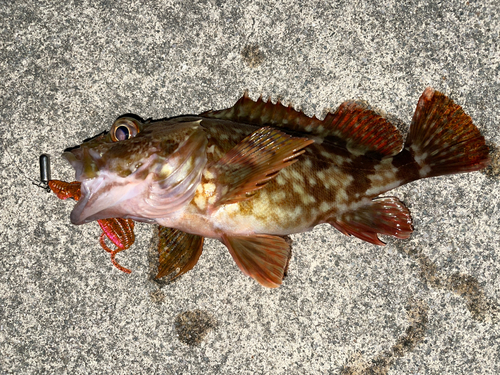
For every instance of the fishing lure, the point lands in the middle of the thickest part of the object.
(119, 231)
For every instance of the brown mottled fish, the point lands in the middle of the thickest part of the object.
(254, 173)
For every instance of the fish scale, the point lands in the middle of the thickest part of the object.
(253, 173)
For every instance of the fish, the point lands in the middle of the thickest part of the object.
(255, 173)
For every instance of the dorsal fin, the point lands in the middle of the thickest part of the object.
(353, 125)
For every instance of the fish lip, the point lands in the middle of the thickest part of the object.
(76, 213)
(78, 157)
(80, 213)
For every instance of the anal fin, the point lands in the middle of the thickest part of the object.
(387, 216)
(263, 257)
(178, 252)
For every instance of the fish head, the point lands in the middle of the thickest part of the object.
(142, 170)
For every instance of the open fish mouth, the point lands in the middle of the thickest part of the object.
(105, 197)
(96, 185)
(76, 214)
(103, 193)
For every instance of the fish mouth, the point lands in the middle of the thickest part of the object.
(86, 163)
(104, 197)
(102, 192)
(76, 214)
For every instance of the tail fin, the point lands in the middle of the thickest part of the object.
(443, 139)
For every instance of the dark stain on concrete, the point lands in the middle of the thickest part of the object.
(464, 285)
(193, 326)
(479, 306)
(417, 316)
(252, 55)
(157, 296)
(493, 170)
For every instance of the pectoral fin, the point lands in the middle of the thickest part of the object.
(262, 257)
(178, 252)
(257, 159)
(387, 215)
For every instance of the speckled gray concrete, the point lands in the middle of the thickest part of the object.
(428, 305)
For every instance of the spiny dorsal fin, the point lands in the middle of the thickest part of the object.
(352, 125)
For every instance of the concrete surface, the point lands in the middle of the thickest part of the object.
(427, 305)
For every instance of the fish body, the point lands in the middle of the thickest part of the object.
(324, 182)
(258, 171)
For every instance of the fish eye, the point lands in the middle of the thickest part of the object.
(122, 133)
(124, 128)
